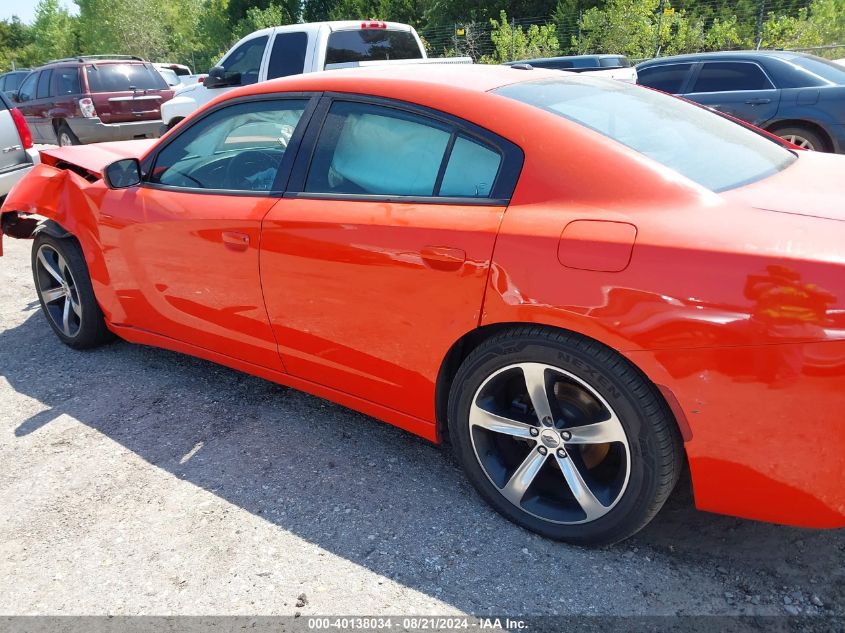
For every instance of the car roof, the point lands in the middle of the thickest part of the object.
(723, 55)
(570, 57)
(333, 25)
(467, 77)
(95, 59)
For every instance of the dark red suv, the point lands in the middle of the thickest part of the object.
(93, 98)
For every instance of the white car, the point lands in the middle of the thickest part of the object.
(295, 49)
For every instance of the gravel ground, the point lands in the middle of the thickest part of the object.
(138, 481)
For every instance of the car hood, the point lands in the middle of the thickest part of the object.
(94, 158)
(813, 185)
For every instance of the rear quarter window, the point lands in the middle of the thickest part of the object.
(123, 78)
(669, 78)
(371, 45)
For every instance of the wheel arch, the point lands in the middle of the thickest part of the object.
(461, 348)
(810, 125)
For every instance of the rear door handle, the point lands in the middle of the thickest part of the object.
(443, 257)
(759, 101)
(235, 241)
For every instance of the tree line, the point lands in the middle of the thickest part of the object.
(198, 32)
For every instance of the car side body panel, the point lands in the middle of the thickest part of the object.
(723, 305)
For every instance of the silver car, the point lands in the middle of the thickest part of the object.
(17, 156)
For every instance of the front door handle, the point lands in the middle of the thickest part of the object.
(235, 241)
(759, 101)
(443, 257)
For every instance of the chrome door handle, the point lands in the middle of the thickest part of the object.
(760, 101)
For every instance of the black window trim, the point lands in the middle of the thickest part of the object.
(288, 160)
(700, 66)
(503, 186)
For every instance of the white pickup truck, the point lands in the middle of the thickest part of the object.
(301, 48)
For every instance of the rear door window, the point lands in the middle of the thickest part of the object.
(366, 149)
(65, 81)
(371, 44)
(288, 55)
(669, 78)
(43, 90)
(245, 60)
(731, 77)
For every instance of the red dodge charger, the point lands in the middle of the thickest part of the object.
(582, 285)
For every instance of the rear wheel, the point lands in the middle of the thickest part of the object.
(803, 137)
(65, 292)
(65, 136)
(563, 436)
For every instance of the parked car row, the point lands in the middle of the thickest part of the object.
(796, 96)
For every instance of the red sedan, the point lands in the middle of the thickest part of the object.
(581, 284)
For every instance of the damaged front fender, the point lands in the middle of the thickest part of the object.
(64, 204)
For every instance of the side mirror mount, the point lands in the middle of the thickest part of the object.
(217, 78)
(123, 173)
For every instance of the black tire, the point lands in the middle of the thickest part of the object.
(804, 137)
(80, 329)
(65, 136)
(650, 452)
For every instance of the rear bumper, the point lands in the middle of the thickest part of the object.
(767, 426)
(95, 131)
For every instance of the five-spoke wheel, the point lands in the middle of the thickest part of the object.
(563, 436)
(65, 291)
(57, 289)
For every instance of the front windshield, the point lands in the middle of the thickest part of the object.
(705, 147)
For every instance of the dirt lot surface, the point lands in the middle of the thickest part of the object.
(138, 481)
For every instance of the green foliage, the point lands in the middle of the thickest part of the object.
(512, 42)
(54, 30)
(257, 19)
(623, 26)
(199, 32)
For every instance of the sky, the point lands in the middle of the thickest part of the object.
(25, 9)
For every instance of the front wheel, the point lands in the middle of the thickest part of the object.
(65, 292)
(563, 436)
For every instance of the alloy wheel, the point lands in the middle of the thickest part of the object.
(800, 141)
(58, 290)
(550, 443)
